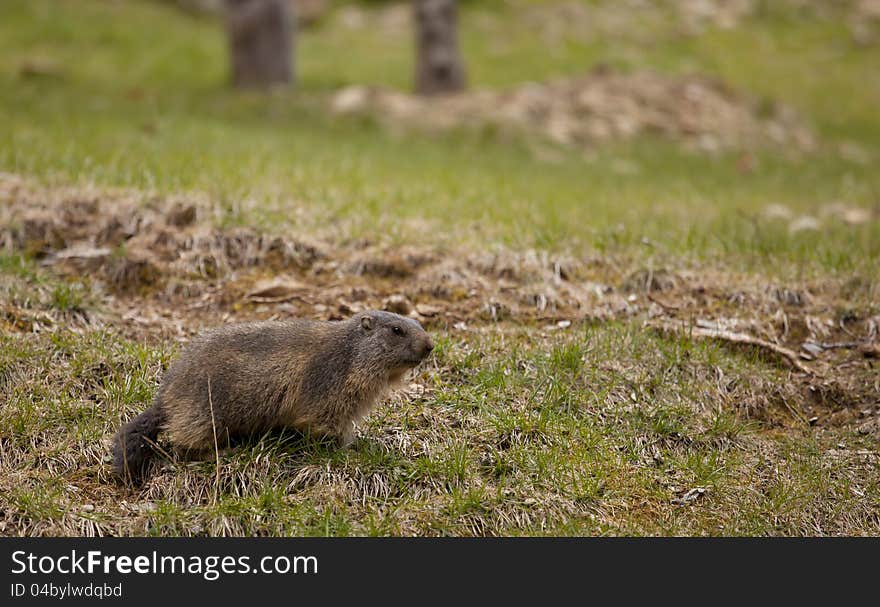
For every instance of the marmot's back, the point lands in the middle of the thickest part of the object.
(235, 378)
(317, 377)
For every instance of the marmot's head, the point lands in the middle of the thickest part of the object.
(399, 342)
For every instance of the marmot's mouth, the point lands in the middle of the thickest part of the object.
(405, 367)
(397, 374)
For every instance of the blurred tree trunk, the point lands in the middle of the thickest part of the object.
(260, 42)
(439, 68)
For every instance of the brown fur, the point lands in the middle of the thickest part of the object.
(321, 378)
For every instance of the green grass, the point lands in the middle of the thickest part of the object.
(120, 109)
(477, 457)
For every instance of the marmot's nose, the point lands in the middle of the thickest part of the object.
(429, 345)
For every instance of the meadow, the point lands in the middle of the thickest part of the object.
(588, 303)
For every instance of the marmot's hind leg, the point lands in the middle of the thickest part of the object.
(190, 433)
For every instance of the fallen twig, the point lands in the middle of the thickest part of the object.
(789, 356)
(846, 345)
(662, 304)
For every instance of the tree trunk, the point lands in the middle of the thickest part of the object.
(260, 42)
(439, 68)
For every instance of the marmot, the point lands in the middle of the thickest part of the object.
(319, 377)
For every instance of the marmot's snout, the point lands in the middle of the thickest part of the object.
(419, 346)
(421, 343)
(423, 346)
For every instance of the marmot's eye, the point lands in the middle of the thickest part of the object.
(397, 330)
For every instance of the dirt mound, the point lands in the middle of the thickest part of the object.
(601, 106)
(132, 243)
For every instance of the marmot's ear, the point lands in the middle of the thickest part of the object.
(367, 323)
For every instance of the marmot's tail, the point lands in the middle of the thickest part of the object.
(133, 444)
